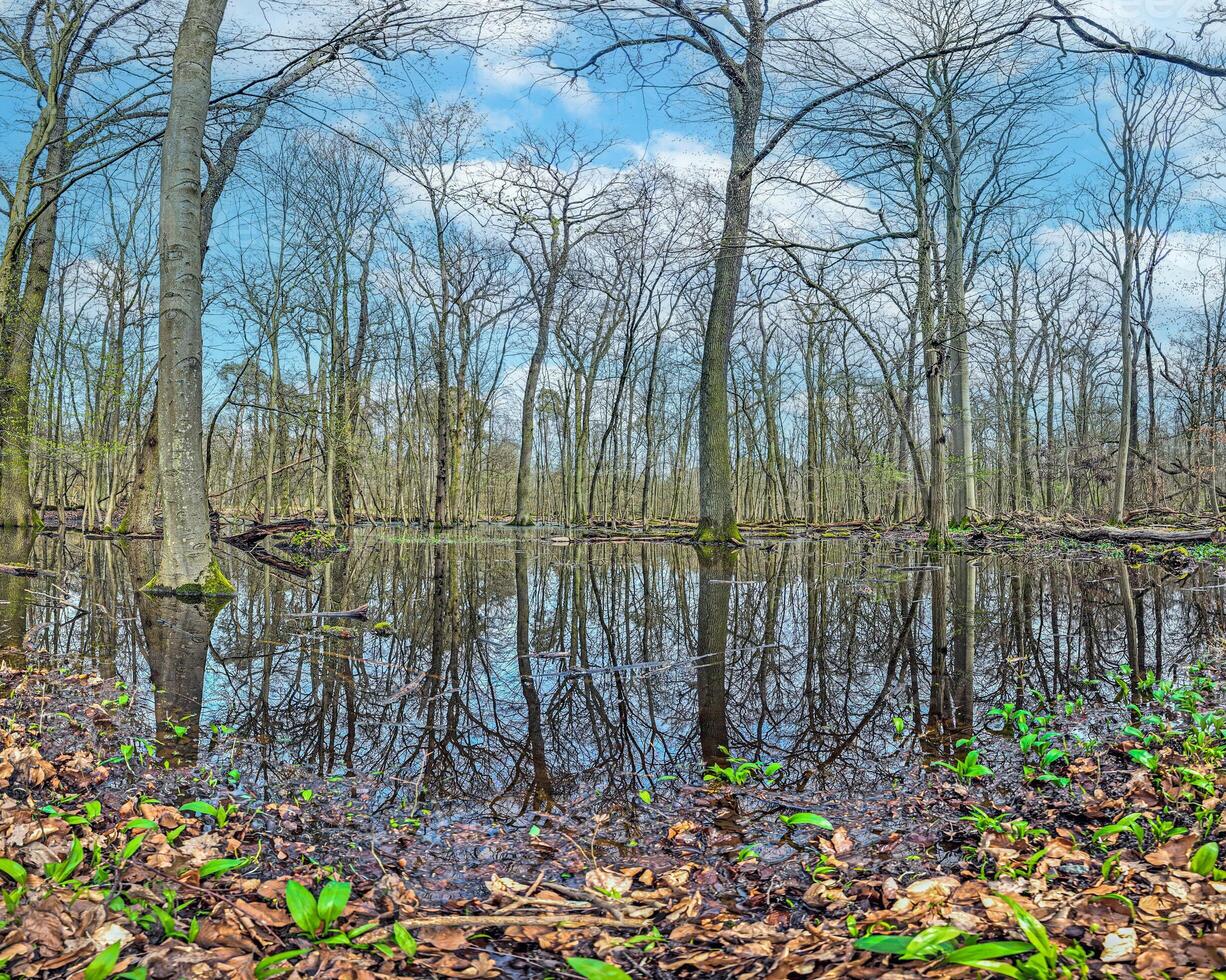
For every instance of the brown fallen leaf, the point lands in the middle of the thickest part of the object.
(1174, 853)
(450, 965)
(1120, 946)
(444, 937)
(265, 915)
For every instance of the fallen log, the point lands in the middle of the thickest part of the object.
(266, 557)
(358, 613)
(1136, 535)
(23, 570)
(253, 535)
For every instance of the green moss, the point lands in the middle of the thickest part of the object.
(730, 534)
(315, 537)
(215, 581)
(211, 584)
(382, 628)
(937, 540)
(124, 526)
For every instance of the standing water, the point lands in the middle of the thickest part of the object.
(515, 670)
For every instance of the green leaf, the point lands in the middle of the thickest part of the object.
(1205, 859)
(220, 866)
(1032, 929)
(199, 806)
(302, 907)
(140, 823)
(267, 967)
(332, 901)
(596, 969)
(406, 942)
(13, 870)
(809, 819)
(59, 871)
(929, 942)
(998, 966)
(887, 945)
(131, 847)
(968, 955)
(102, 965)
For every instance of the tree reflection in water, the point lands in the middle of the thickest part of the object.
(176, 647)
(521, 672)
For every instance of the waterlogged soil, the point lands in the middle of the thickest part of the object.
(692, 879)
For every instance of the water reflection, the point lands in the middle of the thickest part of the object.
(520, 671)
(176, 648)
(16, 547)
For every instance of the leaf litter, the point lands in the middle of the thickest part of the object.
(1101, 861)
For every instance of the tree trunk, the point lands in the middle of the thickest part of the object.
(717, 507)
(16, 507)
(958, 338)
(1119, 494)
(187, 564)
(934, 361)
(527, 423)
(143, 498)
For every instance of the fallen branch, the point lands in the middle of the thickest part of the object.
(253, 535)
(23, 570)
(358, 613)
(477, 922)
(1135, 535)
(266, 557)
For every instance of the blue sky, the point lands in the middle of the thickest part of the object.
(513, 89)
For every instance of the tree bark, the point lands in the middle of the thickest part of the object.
(16, 506)
(527, 424)
(187, 564)
(934, 361)
(1119, 492)
(717, 507)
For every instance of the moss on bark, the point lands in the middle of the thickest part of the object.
(212, 582)
(728, 534)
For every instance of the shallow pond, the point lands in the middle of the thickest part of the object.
(524, 669)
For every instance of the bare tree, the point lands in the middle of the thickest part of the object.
(553, 196)
(1140, 128)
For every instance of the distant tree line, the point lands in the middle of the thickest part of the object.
(906, 293)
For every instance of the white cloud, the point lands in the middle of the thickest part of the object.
(510, 75)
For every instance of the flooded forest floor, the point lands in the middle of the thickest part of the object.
(1077, 838)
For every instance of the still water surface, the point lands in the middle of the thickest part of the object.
(522, 670)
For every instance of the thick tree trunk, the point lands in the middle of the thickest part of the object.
(16, 507)
(187, 564)
(717, 507)
(715, 570)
